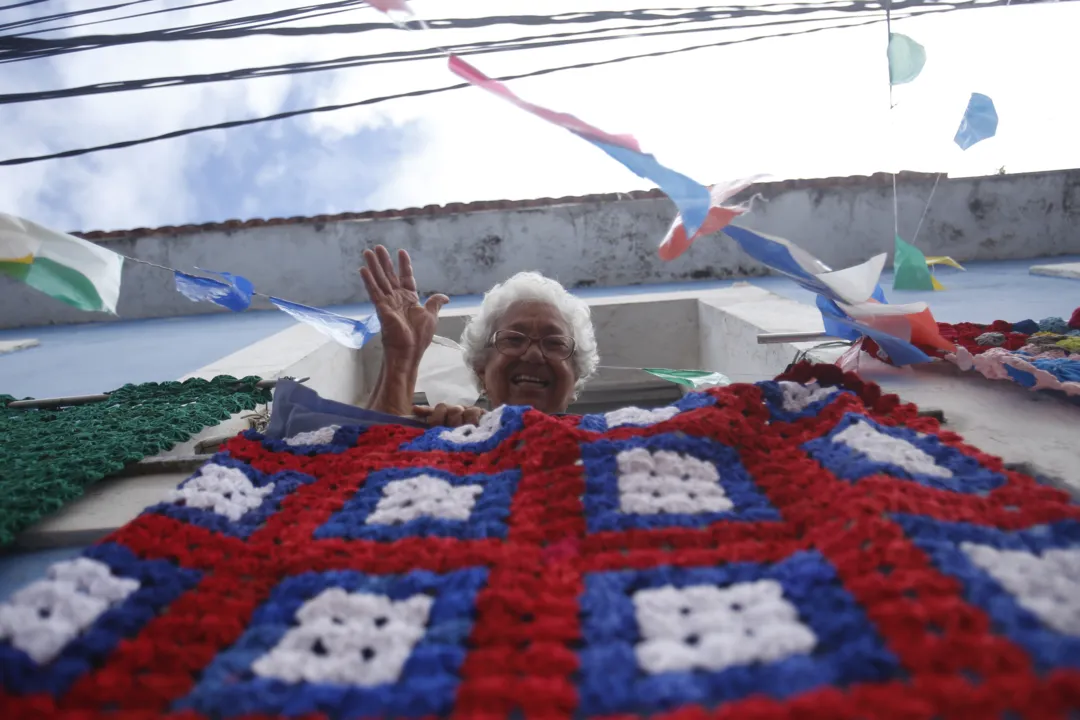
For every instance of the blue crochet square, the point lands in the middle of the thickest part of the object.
(494, 428)
(423, 685)
(790, 401)
(691, 401)
(284, 483)
(923, 459)
(371, 515)
(945, 543)
(160, 583)
(603, 499)
(839, 647)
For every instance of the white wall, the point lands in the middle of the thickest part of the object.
(589, 244)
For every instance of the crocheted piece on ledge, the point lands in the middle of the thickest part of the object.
(49, 456)
(799, 548)
(1039, 356)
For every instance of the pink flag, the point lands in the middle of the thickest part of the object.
(387, 5)
(473, 76)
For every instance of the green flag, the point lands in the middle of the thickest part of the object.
(906, 59)
(70, 269)
(909, 268)
(693, 379)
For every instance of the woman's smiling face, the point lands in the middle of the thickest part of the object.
(537, 378)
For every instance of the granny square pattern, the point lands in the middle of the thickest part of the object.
(800, 548)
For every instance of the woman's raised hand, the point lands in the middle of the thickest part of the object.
(407, 326)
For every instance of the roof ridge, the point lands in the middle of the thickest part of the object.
(880, 178)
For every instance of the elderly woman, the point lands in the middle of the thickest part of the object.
(532, 343)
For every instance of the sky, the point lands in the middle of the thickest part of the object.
(815, 105)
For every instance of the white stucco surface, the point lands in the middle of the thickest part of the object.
(9, 346)
(1064, 270)
(589, 244)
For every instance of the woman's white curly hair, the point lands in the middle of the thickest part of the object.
(532, 286)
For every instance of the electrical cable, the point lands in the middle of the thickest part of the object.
(21, 4)
(14, 48)
(414, 93)
(69, 14)
(122, 17)
(393, 57)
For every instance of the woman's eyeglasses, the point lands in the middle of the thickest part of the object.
(515, 344)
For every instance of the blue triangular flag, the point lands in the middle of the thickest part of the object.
(235, 293)
(980, 121)
(342, 330)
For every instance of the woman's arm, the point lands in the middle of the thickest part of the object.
(395, 387)
(407, 328)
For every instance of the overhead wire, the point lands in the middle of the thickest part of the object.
(476, 48)
(414, 93)
(28, 22)
(21, 4)
(133, 16)
(15, 48)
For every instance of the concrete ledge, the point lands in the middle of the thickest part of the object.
(9, 346)
(1063, 270)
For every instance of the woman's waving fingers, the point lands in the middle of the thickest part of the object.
(387, 265)
(407, 280)
(378, 274)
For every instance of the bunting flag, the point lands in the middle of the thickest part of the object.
(830, 310)
(980, 121)
(906, 59)
(852, 285)
(234, 293)
(345, 331)
(910, 271)
(69, 269)
(693, 379)
(691, 197)
(676, 242)
(389, 6)
(851, 300)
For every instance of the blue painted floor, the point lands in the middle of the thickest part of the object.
(94, 358)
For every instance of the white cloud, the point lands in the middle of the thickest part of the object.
(813, 105)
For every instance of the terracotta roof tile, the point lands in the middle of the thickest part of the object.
(484, 205)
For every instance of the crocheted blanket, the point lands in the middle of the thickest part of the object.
(1039, 356)
(48, 457)
(802, 548)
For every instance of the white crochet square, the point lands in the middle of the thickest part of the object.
(798, 397)
(651, 483)
(322, 436)
(43, 617)
(883, 448)
(489, 424)
(639, 416)
(704, 627)
(1046, 585)
(224, 490)
(346, 638)
(423, 496)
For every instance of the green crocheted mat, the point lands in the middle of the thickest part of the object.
(49, 457)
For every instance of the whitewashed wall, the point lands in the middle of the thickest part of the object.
(590, 244)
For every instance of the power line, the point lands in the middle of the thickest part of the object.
(415, 93)
(25, 47)
(354, 61)
(70, 14)
(22, 4)
(116, 19)
(15, 48)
